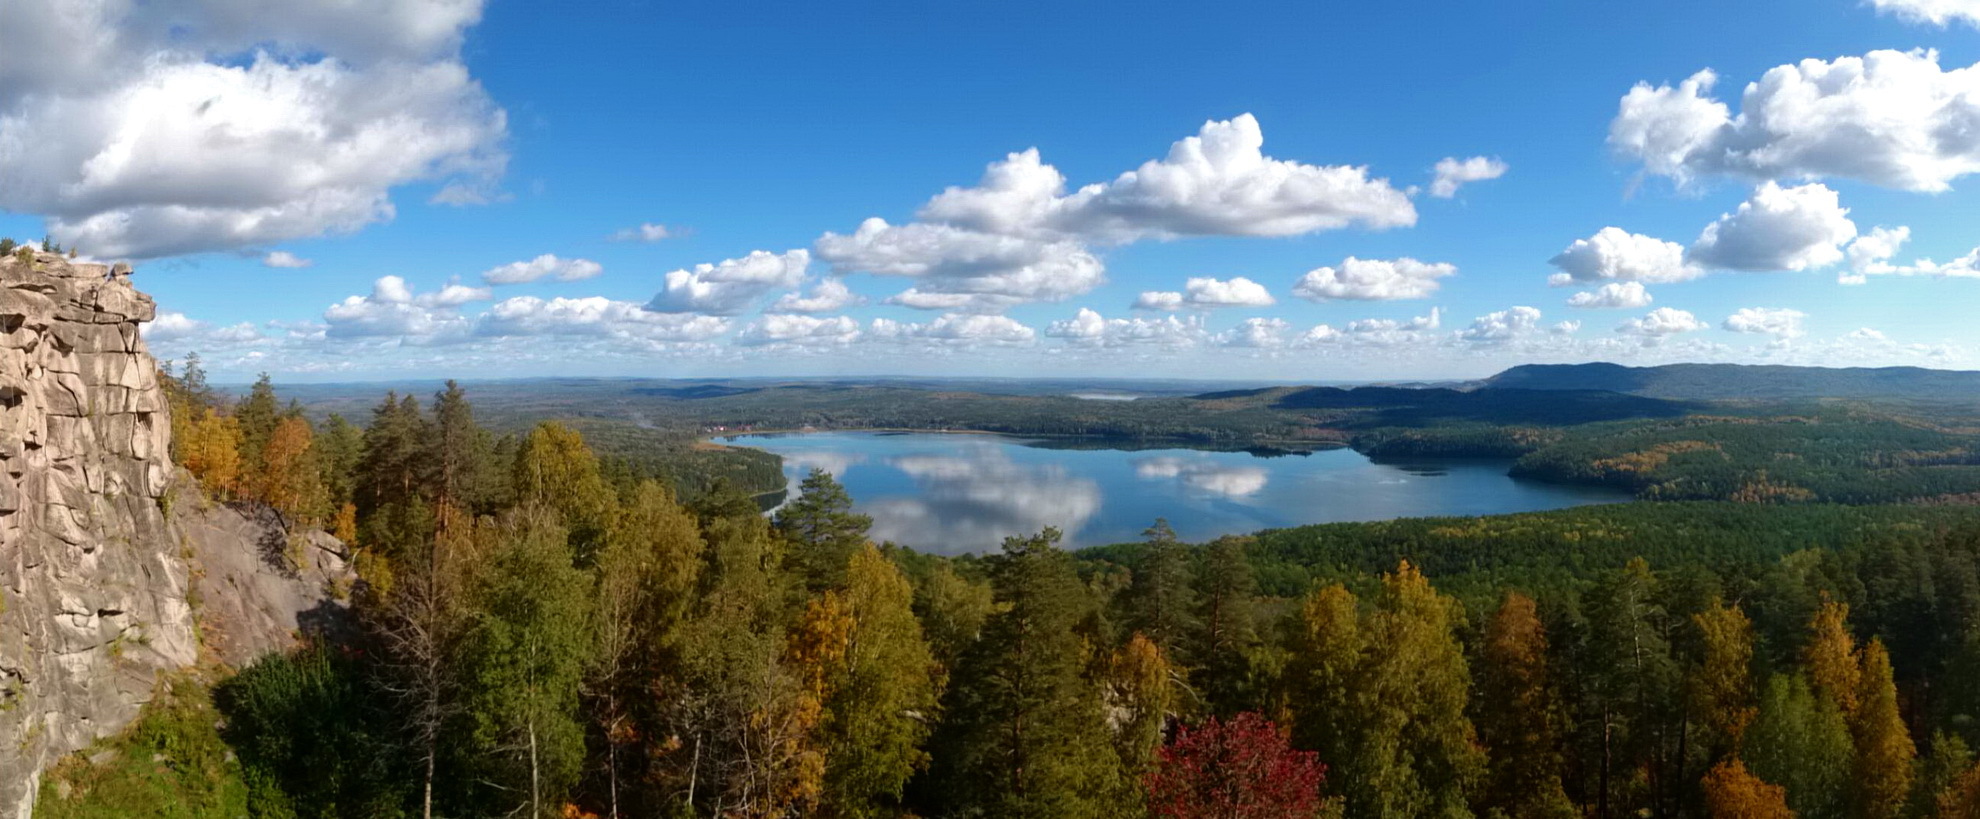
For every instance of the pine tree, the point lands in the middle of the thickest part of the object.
(524, 660)
(1884, 750)
(393, 471)
(257, 414)
(1160, 603)
(822, 529)
(882, 696)
(463, 471)
(1223, 649)
(1630, 680)
(1026, 738)
(1519, 715)
(339, 447)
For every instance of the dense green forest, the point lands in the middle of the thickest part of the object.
(536, 632)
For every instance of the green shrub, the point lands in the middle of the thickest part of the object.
(171, 763)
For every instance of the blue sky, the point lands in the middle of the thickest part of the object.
(437, 141)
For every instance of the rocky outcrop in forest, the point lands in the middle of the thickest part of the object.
(113, 570)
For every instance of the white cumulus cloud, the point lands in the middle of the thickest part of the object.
(957, 329)
(962, 269)
(1614, 295)
(799, 330)
(1780, 323)
(1090, 329)
(594, 316)
(1501, 326)
(828, 295)
(1614, 254)
(1255, 332)
(1870, 255)
(1890, 118)
(1235, 292)
(393, 310)
(1373, 280)
(1778, 228)
(1159, 300)
(731, 285)
(546, 265)
(645, 232)
(1936, 12)
(159, 129)
(1453, 173)
(1661, 322)
(284, 259)
(1217, 183)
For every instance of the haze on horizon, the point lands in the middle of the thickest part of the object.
(430, 188)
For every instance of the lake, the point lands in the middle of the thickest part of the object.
(961, 493)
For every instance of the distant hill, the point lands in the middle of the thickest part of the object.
(1404, 406)
(1720, 382)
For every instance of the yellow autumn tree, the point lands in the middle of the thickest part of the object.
(1884, 750)
(211, 451)
(288, 478)
(816, 653)
(1831, 656)
(1732, 792)
(1138, 691)
(1961, 799)
(1722, 691)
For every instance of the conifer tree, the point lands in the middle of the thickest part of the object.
(1160, 602)
(1025, 736)
(257, 414)
(1519, 714)
(1629, 682)
(463, 471)
(1884, 750)
(1221, 658)
(1831, 657)
(822, 529)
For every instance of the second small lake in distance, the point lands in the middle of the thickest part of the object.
(951, 494)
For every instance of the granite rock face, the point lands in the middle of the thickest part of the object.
(94, 574)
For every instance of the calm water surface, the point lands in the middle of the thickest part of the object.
(962, 493)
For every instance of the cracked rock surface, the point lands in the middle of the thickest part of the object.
(94, 574)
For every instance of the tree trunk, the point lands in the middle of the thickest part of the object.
(535, 786)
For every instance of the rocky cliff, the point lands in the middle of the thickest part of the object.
(97, 579)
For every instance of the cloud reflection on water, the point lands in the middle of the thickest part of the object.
(1204, 476)
(977, 496)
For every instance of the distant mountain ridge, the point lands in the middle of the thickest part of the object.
(1720, 382)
